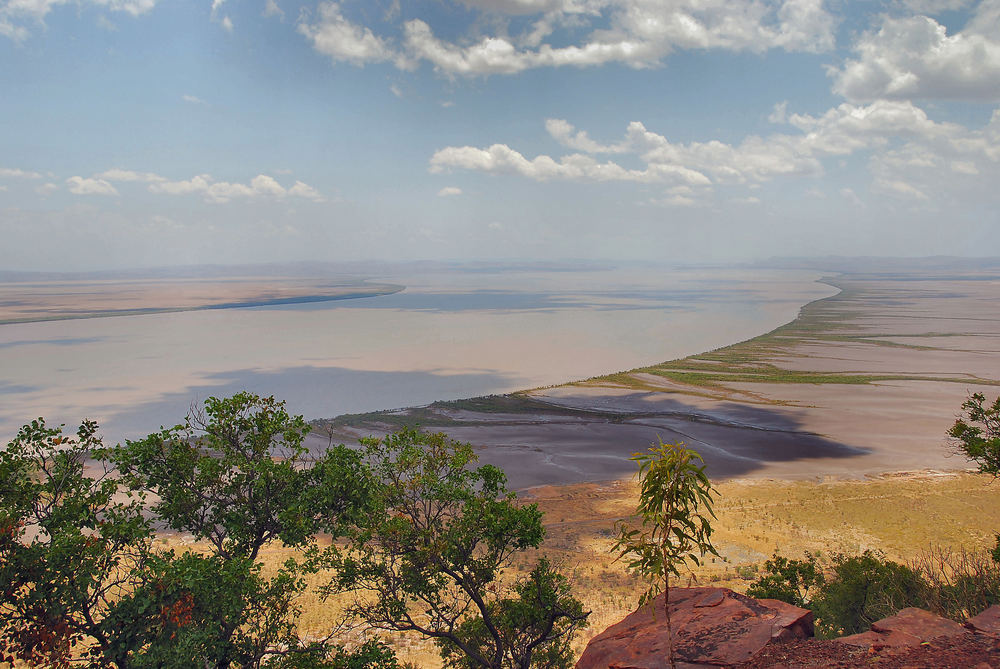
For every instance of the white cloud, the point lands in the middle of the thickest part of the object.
(908, 153)
(15, 173)
(261, 185)
(501, 159)
(198, 184)
(83, 186)
(224, 20)
(116, 174)
(341, 40)
(915, 57)
(448, 191)
(193, 99)
(47, 189)
(271, 8)
(780, 113)
(640, 33)
(17, 15)
(266, 185)
(306, 191)
(674, 201)
(902, 188)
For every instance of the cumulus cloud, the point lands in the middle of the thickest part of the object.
(907, 152)
(448, 191)
(638, 33)
(92, 186)
(116, 174)
(915, 57)
(306, 191)
(333, 35)
(261, 185)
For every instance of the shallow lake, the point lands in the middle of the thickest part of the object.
(449, 334)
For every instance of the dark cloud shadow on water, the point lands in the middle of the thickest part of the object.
(315, 392)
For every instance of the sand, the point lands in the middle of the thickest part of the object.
(878, 375)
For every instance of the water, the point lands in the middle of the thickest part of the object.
(450, 334)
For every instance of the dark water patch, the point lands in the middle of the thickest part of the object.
(311, 391)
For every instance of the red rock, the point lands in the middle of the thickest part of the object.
(907, 629)
(712, 627)
(880, 640)
(987, 622)
(919, 623)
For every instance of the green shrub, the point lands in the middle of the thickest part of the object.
(862, 589)
(791, 581)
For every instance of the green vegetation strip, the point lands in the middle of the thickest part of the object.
(825, 320)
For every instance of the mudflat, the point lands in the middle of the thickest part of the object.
(862, 383)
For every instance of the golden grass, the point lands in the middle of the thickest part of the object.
(900, 515)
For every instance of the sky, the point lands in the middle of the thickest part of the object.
(137, 133)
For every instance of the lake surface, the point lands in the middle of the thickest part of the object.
(450, 334)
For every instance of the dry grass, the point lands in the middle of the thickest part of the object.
(901, 515)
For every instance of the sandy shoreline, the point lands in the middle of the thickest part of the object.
(862, 383)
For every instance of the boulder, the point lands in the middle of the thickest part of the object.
(987, 622)
(712, 627)
(910, 627)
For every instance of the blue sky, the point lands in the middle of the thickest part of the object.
(162, 132)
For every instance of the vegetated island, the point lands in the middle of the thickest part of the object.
(30, 301)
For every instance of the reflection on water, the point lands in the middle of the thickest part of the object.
(448, 335)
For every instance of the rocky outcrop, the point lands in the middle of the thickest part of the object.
(712, 627)
(910, 627)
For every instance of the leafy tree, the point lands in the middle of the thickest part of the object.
(978, 437)
(791, 581)
(863, 589)
(69, 550)
(433, 559)
(236, 474)
(978, 433)
(675, 502)
(81, 580)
